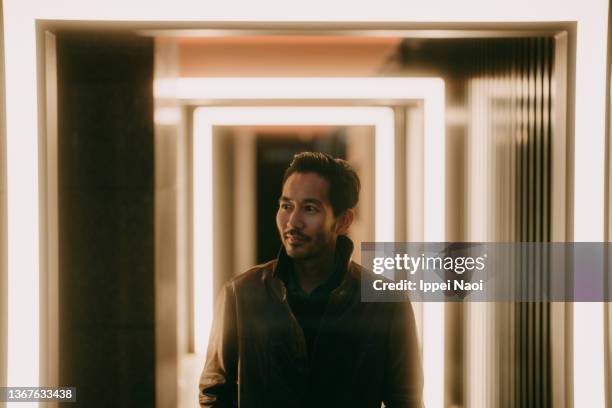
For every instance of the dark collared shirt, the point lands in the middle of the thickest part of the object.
(309, 309)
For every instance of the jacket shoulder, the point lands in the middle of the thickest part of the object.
(254, 275)
(366, 278)
(361, 273)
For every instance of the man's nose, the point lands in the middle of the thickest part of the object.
(295, 219)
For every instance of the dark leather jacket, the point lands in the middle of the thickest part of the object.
(364, 354)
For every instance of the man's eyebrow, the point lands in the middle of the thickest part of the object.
(313, 201)
(306, 200)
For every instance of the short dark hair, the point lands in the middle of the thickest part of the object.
(344, 184)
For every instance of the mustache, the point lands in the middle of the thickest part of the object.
(297, 234)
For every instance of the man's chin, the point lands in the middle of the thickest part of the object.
(297, 252)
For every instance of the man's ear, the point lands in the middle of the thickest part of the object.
(344, 221)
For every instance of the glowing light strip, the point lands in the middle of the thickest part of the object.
(295, 88)
(22, 202)
(202, 232)
(206, 118)
(434, 230)
(589, 387)
(434, 163)
(589, 148)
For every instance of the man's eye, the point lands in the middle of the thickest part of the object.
(284, 206)
(310, 208)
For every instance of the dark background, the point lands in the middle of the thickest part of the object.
(106, 231)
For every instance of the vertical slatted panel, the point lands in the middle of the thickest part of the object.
(479, 318)
(512, 215)
(510, 101)
(546, 209)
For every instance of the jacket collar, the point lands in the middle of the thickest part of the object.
(349, 276)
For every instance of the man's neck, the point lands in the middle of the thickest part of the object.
(313, 272)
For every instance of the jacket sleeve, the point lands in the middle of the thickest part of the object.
(218, 382)
(403, 387)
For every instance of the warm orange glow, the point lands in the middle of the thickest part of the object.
(269, 56)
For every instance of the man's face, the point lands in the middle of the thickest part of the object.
(305, 217)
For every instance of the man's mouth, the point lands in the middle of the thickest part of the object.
(293, 239)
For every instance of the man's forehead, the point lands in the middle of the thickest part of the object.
(306, 186)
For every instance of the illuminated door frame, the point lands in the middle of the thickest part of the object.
(205, 118)
(429, 90)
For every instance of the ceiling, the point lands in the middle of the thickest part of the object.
(283, 56)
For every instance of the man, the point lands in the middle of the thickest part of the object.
(293, 332)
